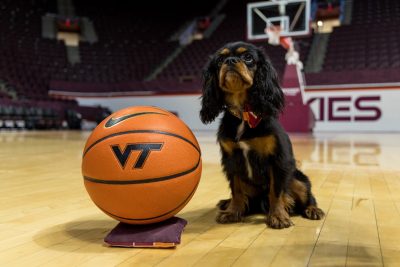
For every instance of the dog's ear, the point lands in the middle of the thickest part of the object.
(212, 99)
(266, 97)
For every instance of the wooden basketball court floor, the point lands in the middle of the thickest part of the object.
(47, 218)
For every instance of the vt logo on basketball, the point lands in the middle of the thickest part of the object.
(144, 148)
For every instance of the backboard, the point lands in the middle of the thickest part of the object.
(292, 17)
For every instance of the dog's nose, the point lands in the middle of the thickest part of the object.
(231, 61)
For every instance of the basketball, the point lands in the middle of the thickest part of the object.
(141, 165)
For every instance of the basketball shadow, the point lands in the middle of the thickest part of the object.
(86, 234)
(79, 234)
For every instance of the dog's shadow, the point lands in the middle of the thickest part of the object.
(204, 218)
(199, 219)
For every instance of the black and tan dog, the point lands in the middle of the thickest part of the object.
(257, 155)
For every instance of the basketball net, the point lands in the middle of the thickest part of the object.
(274, 38)
(274, 34)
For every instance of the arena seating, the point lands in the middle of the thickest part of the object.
(28, 63)
(130, 44)
(367, 50)
(4, 96)
(372, 12)
(55, 114)
(371, 46)
(133, 39)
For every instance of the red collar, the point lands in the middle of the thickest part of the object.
(247, 115)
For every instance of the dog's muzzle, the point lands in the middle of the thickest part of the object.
(231, 61)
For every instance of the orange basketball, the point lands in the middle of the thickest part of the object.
(141, 165)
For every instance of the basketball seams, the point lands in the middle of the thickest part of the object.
(137, 132)
(144, 181)
(158, 216)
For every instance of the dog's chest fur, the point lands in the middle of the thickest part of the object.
(247, 150)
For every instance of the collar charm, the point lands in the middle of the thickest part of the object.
(247, 115)
(252, 119)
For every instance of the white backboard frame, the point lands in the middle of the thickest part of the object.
(285, 31)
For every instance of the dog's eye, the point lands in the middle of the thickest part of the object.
(219, 61)
(247, 58)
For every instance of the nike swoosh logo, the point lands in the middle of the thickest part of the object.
(113, 121)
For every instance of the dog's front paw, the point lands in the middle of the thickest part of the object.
(229, 217)
(314, 213)
(223, 204)
(278, 221)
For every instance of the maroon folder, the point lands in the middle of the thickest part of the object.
(164, 234)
